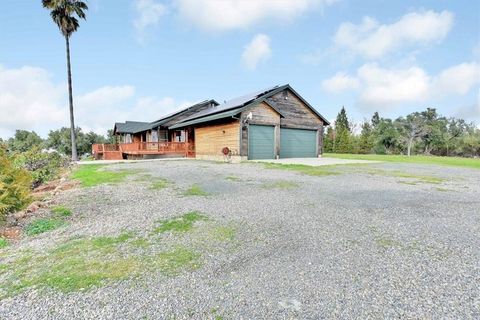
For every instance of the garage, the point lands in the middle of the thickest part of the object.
(261, 142)
(298, 143)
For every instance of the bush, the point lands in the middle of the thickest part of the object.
(14, 186)
(43, 166)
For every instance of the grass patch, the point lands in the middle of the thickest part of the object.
(443, 189)
(233, 178)
(43, 225)
(93, 174)
(442, 161)
(62, 211)
(85, 263)
(159, 184)
(223, 233)
(308, 170)
(282, 184)
(3, 243)
(195, 190)
(180, 224)
(418, 178)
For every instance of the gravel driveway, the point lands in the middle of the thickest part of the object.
(379, 240)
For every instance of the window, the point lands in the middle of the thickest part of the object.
(154, 136)
(179, 136)
(162, 135)
(128, 138)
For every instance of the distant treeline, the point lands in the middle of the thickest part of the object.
(424, 132)
(58, 140)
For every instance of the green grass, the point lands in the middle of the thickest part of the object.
(443, 161)
(183, 223)
(233, 178)
(3, 243)
(159, 184)
(94, 174)
(62, 211)
(281, 184)
(43, 225)
(195, 190)
(84, 263)
(416, 178)
(308, 170)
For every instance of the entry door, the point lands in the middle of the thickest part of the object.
(261, 142)
(298, 143)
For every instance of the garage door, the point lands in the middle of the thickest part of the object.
(261, 142)
(297, 143)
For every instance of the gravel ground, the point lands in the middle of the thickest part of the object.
(365, 243)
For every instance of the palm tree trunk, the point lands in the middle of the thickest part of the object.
(70, 100)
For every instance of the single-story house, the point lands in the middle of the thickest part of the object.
(268, 124)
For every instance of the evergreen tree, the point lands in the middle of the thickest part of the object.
(329, 140)
(375, 119)
(342, 142)
(366, 139)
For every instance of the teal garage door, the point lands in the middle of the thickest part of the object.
(261, 142)
(297, 143)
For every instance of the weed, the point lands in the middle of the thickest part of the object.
(159, 184)
(170, 263)
(308, 170)
(281, 184)
(180, 224)
(223, 233)
(195, 190)
(3, 243)
(62, 211)
(43, 225)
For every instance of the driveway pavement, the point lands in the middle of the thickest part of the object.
(315, 161)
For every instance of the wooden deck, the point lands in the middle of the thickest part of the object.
(117, 151)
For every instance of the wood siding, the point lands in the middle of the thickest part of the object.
(262, 114)
(296, 113)
(210, 140)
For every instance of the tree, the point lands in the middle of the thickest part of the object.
(64, 13)
(342, 142)
(24, 140)
(386, 136)
(329, 140)
(365, 142)
(375, 119)
(411, 128)
(59, 140)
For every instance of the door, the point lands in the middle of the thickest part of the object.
(298, 143)
(261, 142)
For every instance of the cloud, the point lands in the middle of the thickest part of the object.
(372, 40)
(147, 15)
(389, 87)
(258, 50)
(224, 15)
(340, 82)
(28, 97)
(30, 100)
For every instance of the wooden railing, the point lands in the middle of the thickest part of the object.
(146, 148)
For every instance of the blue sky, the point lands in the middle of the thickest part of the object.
(139, 59)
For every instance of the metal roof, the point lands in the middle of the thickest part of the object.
(167, 117)
(216, 116)
(131, 126)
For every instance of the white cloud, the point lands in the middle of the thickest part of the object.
(458, 79)
(30, 100)
(384, 87)
(28, 97)
(223, 15)
(389, 87)
(371, 39)
(340, 82)
(258, 50)
(148, 14)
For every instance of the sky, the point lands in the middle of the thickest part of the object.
(141, 59)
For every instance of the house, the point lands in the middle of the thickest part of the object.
(272, 123)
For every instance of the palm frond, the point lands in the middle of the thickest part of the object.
(64, 13)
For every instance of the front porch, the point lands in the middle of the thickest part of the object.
(138, 150)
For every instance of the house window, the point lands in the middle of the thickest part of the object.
(162, 135)
(154, 136)
(128, 138)
(179, 136)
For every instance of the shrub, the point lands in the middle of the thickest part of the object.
(62, 211)
(43, 166)
(14, 186)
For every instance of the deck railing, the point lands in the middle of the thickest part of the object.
(146, 148)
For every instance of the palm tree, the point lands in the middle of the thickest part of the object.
(64, 13)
